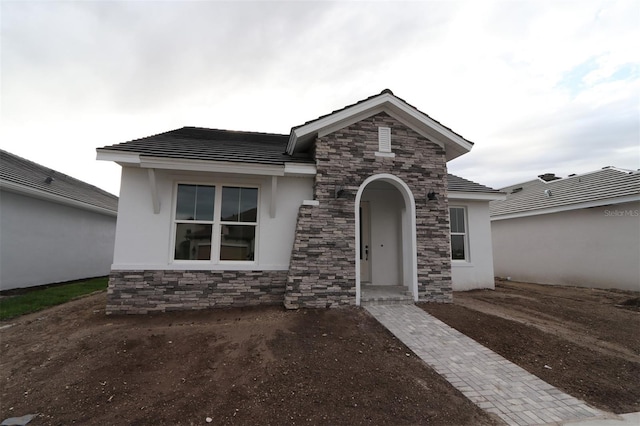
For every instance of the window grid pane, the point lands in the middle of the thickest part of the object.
(239, 204)
(237, 242)
(458, 233)
(457, 247)
(195, 202)
(193, 241)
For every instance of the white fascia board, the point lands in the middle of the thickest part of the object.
(54, 198)
(293, 169)
(128, 158)
(211, 166)
(478, 196)
(462, 143)
(400, 110)
(558, 209)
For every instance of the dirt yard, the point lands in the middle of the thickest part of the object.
(74, 365)
(584, 341)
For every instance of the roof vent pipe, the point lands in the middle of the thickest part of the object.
(548, 177)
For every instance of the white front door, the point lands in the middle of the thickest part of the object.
(365, 243)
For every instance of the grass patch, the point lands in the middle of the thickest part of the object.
(38, 299)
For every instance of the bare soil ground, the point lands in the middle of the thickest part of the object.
(74, 365)
(583, 341)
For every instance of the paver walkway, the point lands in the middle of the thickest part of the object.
(490, 381)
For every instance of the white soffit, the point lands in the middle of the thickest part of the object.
(454, 145)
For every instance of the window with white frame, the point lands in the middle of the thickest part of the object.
(459, 244)
(215, 222)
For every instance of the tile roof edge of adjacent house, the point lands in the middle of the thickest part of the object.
(498, 212)
(572, 176)
(17, 186)
(57, 198)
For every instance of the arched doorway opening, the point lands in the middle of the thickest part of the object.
(385, 237)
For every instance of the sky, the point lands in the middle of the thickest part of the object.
(539, 86)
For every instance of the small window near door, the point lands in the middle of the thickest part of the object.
(459, 245)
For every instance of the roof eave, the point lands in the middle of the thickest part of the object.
(47, 196)
(567, 207)
(122, 158)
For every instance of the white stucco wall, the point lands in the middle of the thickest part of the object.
(596, 247)
(477, 272)
(42, 242)
(144, 239)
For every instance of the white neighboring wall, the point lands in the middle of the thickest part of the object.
(144, 239)
(477, 271)
(596, 247)
(43, 242)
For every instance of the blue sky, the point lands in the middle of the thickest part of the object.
(539, 86)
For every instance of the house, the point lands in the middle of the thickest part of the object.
(354, 200)
(53, 228)
(582, 230)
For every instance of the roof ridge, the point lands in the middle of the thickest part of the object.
(229, 131)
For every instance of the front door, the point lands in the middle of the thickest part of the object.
(365, 243)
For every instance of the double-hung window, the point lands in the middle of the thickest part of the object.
(459, 245)
(215, 223)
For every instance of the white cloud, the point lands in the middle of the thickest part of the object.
(536, 84)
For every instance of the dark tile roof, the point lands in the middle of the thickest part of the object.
(385, 91)
(19, 171)
(605, 184)
(458, 184)
(195, 143)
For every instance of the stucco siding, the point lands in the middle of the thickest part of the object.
(144, 239)
(477, 272)
(43, 242)
(597, 247)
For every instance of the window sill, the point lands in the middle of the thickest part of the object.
(385, 154)
(461, 264)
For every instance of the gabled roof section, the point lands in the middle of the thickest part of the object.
(456, 183)
(301, 137)
(460, 188)
(603, 187)
(195, 143)
(23, 176)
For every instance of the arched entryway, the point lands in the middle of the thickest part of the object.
(385, 236)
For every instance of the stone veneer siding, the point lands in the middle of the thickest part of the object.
(322, 268)
(141, 292)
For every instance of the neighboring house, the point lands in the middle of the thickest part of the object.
(582, 230)
(53, 228)
(352, 200)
